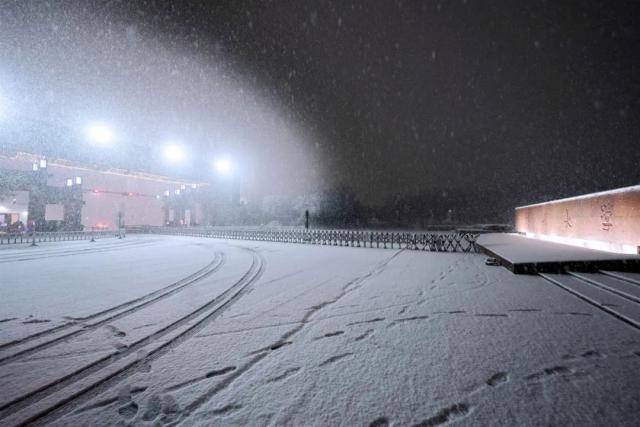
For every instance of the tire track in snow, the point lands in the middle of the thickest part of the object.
(127, 308)
(48, 403)
(351, 286)
(47, 254)
(11, 252)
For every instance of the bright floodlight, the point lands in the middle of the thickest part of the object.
(223, 166)
(173, 153)
(100, 134)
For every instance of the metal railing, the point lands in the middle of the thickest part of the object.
(434, 242)
(55, 236)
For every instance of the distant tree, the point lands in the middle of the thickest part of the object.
(307, 202)
(339, 207)
(10, 182)
(279, 208)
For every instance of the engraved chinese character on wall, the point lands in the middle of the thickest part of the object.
(567, 220)
(606, 213)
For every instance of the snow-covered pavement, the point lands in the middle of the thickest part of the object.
(170, 330)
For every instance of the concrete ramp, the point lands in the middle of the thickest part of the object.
(524, 255)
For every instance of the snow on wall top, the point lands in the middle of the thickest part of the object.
(585, 196)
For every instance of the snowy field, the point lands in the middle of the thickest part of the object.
(153, 330)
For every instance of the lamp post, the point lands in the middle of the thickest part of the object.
(38, 180)
(227, 170)
(73, 203)
(101, 135)
(229, 179)
(35, 169)
(120, 223)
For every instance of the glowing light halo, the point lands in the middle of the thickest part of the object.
(174, 153)
(100, 134)
(223, 166)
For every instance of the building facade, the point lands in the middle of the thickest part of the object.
(82, 197)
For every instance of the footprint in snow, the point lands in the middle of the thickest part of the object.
(452, 413)
(153, 409)
(26, 322)
(129, 410)
(549, 372)
(330, 334)
(406, 319)
(334, 359)
(284, 375)
(116, 332)
(591, 354)
(376, 319)
(498, 379)
(170, 409)
(379, 422)
(364, 335)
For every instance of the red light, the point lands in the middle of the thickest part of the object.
(95, 190)
(130, 194)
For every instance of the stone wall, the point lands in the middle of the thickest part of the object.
(609, 220)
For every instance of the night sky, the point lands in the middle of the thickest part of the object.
(523, 101)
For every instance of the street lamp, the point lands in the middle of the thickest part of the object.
(99, 134)
(174, 153)
(39, 167)
(223, 166)
(229, 177)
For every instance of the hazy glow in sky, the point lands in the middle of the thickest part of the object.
(100, 134)
(74, 68)
(223, 166)
(174, 154)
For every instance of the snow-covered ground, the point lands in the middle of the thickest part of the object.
(169, 330)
